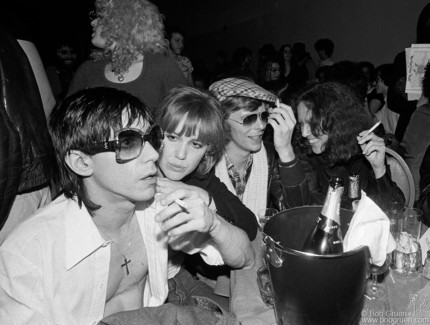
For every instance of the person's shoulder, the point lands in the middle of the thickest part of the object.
(44, 221)
(200, 180)
(420, 117)
(89, 65)
(157, 57)
(83, 69)
(424, 109)
(88, 74)
(160, 60)
(163, 67)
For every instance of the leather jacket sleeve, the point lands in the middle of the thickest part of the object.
(380, 190)
(10, 164)
(22, 103)
(287, 182)
(10, 146)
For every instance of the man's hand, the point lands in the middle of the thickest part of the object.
(282, 120)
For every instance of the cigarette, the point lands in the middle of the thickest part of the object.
(277, 102)
(372, 128)
(392, 278)
(368, 297)
(181, 204)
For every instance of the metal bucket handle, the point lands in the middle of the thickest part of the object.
(273, 254)
(265, 286)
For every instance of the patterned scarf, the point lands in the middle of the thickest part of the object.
(255, 195)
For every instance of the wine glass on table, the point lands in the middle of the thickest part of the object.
(394, 212)
(375, 289)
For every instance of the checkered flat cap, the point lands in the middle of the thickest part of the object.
(230, 87)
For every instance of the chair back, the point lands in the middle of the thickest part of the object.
(401, 174)
(309, 288)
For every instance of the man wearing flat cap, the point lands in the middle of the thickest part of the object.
(260, 174)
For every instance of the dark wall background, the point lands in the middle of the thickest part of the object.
(372, 30)
(53, 20)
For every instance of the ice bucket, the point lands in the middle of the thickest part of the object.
(308, 288)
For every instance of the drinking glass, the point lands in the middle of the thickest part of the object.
(264, 215)
(407, 258)
(412, 222)
(394, 212)
(374, 289)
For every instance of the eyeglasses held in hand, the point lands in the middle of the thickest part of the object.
(128, 143)
(251, 119)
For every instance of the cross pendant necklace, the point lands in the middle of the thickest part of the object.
(126, 261)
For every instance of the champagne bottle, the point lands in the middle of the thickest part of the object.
(326, 236)
(354, 192)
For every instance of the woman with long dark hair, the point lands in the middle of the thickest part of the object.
(333, 128)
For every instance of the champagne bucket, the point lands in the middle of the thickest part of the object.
(309, 288)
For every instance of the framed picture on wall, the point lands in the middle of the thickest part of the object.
(417, 57)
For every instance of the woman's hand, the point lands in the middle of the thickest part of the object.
(165, 186)
(195, 215)
(282, 120)
(373, 148)
(189, 224)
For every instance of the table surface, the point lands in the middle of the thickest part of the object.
(407, 300)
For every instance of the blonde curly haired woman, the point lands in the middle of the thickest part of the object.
(133, 52)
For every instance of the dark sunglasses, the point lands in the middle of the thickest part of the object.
(128, 143)
(251, 119)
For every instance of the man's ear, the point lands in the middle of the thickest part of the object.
(79, 162)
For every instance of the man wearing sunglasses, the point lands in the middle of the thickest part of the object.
(261, 175)
(100, 247)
